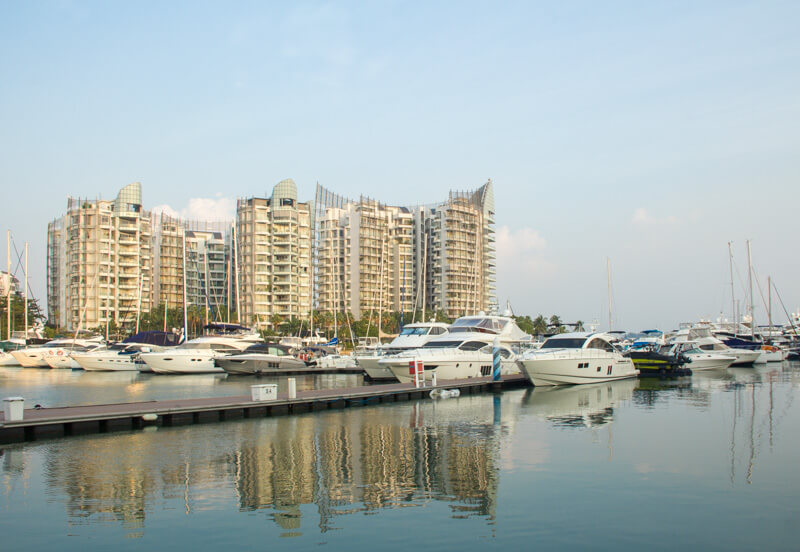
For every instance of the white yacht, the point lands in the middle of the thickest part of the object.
(120, 357)
(260, 359)
(196, 356)
(771, 353)
(702, 360)
(412, 336)
(124, 356)
(34, 357)
(13, 344)
(702, 335)
(575, 358)
(464, 352)
(63, 357)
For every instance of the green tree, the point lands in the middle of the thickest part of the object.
(18, 314)
(540, 325)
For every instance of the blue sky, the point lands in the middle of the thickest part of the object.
(649, 133)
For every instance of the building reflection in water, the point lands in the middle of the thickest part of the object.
(342, 462)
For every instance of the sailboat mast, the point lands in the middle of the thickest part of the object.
(8, 290)
(26, 290)
(185, 309)
(750, 284)
(424, 274)
(108, 285)
(610, 301)
(139, 302)
(380, 294)
(236, 272)
(769, 303)
(733, 299)
(335, 287)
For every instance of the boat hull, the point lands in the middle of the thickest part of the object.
(267, 365)
(744, 357)
(465, 365)
(7, 359)
(710, 362)
(198, 362)
(30, 359)
(772, 356)
(106, 363)
(374, 370)
(62, 362)
(576, 368)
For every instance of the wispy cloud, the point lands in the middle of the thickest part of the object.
(202, 208)
(643, 216)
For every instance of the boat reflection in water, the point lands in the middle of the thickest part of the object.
(340, 462)
(579, 405)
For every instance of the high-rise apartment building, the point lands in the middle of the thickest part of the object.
(100, 262)
(208, 279)
(364, 257)
(273, 256)
(457, 256)
(168, 236)
(371, 256)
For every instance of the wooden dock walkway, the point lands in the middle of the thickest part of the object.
(102, 418)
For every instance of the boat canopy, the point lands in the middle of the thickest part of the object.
(162, 339)
(224, 328)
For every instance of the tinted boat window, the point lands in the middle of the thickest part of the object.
(564, 343)
(441, 344)
(472, 345)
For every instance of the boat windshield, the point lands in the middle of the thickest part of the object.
(486, 325)
(204, 345)
(414, 331)
(564, 343)
(695, 333)
(442, 344)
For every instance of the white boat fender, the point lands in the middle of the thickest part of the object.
(444, 393)
(150, 418)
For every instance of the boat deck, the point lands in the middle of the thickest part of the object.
(102, 418)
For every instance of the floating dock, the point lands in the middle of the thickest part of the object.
(46, 423)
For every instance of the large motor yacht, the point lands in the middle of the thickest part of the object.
(706, 341)
(34, 357)
(702, 360)
(574, 358)
(259, 359)
(194, 357)
(412, 336)
(197, 356)
(63, 357)
(464, 352)
(123, 356)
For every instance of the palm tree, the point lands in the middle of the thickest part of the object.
(579, 326)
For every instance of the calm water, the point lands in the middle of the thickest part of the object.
(707, 462)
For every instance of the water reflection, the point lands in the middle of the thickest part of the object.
(579, 405)
(53, 388)
(342, 462)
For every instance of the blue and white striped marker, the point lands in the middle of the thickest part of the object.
(496, 358)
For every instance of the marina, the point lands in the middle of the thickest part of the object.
(474, 469)
(395, 276)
